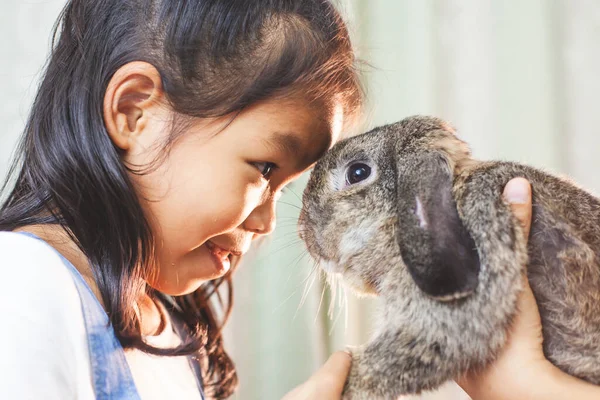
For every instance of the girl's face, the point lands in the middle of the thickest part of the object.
(217, 187)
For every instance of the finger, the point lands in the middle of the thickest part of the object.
(527, 322)
(294, 394)
(464, 381)
(474, 382)
(335, 371)
(518, 193)
(525, 337)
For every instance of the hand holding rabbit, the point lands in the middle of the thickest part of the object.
(327, 383)
(522, 370)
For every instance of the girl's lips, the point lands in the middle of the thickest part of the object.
(220, 257)
(212, 246)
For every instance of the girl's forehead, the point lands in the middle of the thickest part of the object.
(314, 115)
(298, 128)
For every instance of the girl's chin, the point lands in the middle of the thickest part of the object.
(188, 275)
(182, 286)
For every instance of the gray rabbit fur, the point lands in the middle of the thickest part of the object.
(430, 234)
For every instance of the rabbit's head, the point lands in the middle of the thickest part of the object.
(382, 203)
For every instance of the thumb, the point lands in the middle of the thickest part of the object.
(527, 325)
(518, 193)
(335, 370)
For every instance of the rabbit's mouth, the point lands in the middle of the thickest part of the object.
(331, 267)
(358, 282)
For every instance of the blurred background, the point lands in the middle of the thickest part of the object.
(519, 79)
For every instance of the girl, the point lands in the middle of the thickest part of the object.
(160, 138)
(161, 135)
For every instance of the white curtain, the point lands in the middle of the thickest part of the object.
(24, 42)
(517, 78)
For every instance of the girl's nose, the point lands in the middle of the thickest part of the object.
(262, 219)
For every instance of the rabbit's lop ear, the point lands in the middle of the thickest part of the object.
(435, 246)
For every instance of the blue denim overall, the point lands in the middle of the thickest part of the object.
(111, 376)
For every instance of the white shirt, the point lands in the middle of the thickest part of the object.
(45, 353)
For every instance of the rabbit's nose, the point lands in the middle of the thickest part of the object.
(301, 232)
(304, 222)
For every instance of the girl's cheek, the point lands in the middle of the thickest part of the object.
(233, 209)
(253, 198)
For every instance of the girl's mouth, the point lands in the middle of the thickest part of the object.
(221, 257)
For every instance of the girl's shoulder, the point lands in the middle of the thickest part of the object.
(34, 277)
(24, 246)
(42, 321)
(30, 265)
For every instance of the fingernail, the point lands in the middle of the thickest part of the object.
(517, 192)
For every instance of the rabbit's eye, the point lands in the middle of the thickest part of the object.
(357, 172)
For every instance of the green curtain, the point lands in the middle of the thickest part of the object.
(516, 78)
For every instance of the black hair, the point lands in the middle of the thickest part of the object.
(214, 57)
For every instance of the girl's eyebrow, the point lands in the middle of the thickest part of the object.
(290, 144)
(285, 142)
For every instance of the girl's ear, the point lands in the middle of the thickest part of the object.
(435, 246)
(132, 90)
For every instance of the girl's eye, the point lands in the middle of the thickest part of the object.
(357, 172)
(265, 168)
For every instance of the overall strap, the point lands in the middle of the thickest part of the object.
(111, 376)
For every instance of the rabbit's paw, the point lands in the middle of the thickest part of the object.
(361, 383)
(356, 388)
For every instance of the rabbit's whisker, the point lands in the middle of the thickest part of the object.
(295, 291)
(289, 204)
(307, 289)
(324, 288)
(294, 193)
(339, 313)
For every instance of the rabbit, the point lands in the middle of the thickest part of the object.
(403, 212)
